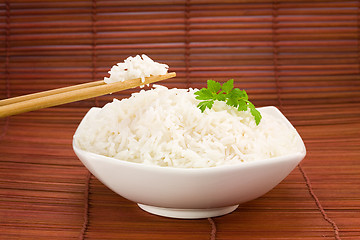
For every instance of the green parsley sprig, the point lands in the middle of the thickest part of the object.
(226, 92)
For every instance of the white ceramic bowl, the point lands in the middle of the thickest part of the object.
(191, 193)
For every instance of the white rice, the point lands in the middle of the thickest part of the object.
(135, 67)
(164, 127)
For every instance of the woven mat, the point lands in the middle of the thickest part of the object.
(46, 193)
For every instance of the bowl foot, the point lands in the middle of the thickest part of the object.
(187, 213)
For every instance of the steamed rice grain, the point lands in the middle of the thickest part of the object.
(135, 67)
(164, 127)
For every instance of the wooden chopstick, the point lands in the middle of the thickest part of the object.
(31, 102)
(50, 92)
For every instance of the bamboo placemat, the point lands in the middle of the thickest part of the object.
(302, 56)
(46, 193)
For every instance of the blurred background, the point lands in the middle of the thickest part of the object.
(281, 52)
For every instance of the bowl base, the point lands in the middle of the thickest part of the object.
(188, 213)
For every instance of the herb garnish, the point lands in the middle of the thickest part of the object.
(227, 93)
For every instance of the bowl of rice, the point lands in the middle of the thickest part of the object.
(157, 149)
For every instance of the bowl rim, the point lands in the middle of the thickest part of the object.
(299, 155)
(261, 162)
